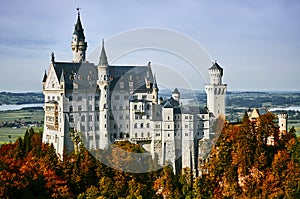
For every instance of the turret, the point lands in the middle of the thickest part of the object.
(103, 83)
(176, 95)
(215, 73)
(79, 45)
(216, 91)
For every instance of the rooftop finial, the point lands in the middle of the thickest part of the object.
(52, 57)
(78, 10)
(102, 42)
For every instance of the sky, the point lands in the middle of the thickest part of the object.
(256, 42)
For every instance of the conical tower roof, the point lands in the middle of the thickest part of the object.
(78, 28)
(103, 57)
(154, 82)
(45, 77)
(62, 76)
(175, 91)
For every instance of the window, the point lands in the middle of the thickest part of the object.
(148, 125)
(96, 127)
(168, 117)
(120, 107)
(121, 117)
(114, 107)
(148, 134)
(83, 118)
(168, 126)
(135, 125)
(136, 135)
(71, 119)
(142, 135)
(90, 118)
(121, 84)
(70, 98)
(142, 125)
(79, 108)
(117, 97)
(148, 106)
(98, 118)
(186, 117)
(91, 128)
(127, 116)
(79, 98)
(71, 108)
(135, 107)
(126, 97)
(127, 107)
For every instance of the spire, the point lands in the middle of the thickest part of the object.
(62, 76)
(45, 77)
(155, 83)
(78, 28)
(103, 57)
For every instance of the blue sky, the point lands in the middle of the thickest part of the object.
(256, 42)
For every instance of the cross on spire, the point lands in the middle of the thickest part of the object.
(78, 8)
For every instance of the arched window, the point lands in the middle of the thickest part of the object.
(70, 98)
(142, 125)
(83, 118)
(148, 125)
(79, 108)
(71, 108)
(135, 125)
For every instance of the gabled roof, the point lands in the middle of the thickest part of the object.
(83, 74)
(132, 77)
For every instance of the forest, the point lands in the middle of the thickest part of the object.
(241, 165)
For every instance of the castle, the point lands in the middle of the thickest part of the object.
(108, 103)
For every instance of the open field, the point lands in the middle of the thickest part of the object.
(10, 135)
(14, 123)
(21, 115)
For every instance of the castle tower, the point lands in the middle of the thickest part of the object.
(103, 83)
(176, 95)
(216, 91)
(78, 43)
(282, 122)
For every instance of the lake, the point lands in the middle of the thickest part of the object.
(295, 108)
(13, 107)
